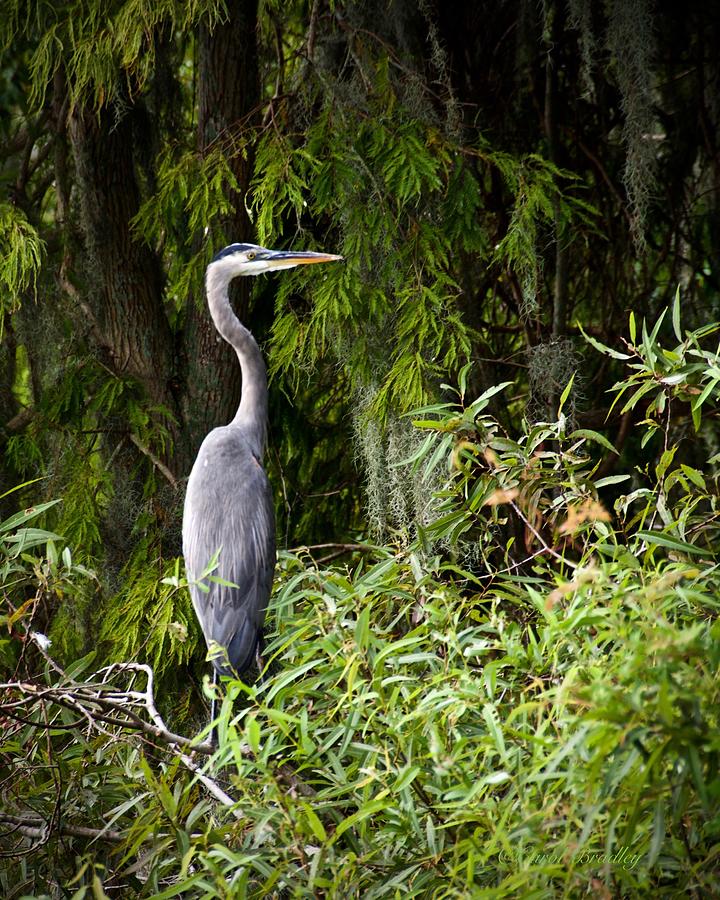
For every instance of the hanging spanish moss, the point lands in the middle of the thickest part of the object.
(631, 42)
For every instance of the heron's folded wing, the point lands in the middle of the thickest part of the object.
(236, 521)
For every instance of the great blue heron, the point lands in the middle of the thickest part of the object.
(228, 512)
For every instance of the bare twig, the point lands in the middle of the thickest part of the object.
(20, 419)
(99, 701)
(546, 547)
(337, 550)
(174, 741)
(37, 828)
(159, 465)
(312, 29)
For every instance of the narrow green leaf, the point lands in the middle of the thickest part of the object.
(707, 390)
(694, 476)
(697, 776)
(566, 393)
(491, 718)
(181, 887)
(606, 351)
(25, 515)
(672, 543)
(253, 734)
(611, 479)
(362, 629)
(676, 318)
(418, 454)
(369, 809)
(645, 388)
(590, 435)
(653, 336)
(316, 826)
(482, 400)
(695, 413)
(665, 461)
(658, 834)
(405, 778)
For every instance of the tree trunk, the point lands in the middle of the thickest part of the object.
(229, 95)
(125, 281)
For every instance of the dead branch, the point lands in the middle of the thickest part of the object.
(100, 702)
(37, 828)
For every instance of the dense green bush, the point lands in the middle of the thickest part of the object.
(522, 702)
(512, 690)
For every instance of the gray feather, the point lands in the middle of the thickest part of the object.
(228, 508)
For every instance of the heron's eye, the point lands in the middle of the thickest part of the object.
(251, 254)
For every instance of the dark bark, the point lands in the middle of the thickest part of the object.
(125, 282)
(228, 105)
(9, 412)
(8, 349)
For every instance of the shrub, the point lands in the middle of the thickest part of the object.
(524, 702)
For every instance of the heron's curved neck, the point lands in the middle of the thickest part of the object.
(252, 412)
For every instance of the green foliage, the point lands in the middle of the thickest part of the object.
(36, 580)
(192, 190)
(92, 43)
(687, 374)
(391, 316)
(399, 285)
(21, 250)
(539, 205)
(369, 140)
(152, 619)
(97, 417)
(526, 676)
(538, 719)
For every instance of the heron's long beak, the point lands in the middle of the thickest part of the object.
(278, 259)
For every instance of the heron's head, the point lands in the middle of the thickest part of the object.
(249, 259)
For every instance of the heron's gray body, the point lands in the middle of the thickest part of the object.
(228, 504)
(244, 536)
